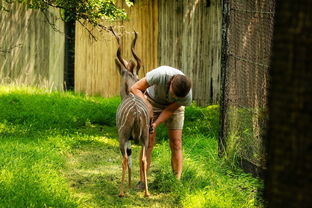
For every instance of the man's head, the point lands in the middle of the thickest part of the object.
(180, 85)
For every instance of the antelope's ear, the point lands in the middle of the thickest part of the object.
(121, 68)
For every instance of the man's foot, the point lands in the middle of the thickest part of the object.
(140, 185)
(121, 194)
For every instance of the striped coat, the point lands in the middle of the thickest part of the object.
(132, 121)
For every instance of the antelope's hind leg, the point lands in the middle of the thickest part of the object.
(124, 169)
(144, 164)
(129, 153)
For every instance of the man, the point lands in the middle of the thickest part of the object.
(168, 90)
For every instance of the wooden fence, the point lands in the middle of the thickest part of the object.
(190, 39)
(95, 68)
(184, 34)
(31, 51)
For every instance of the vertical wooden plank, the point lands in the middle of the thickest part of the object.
(26, 34)
(56, 51)
(200, 39)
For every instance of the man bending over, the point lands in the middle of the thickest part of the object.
(168, 90)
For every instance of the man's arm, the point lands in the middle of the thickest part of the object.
(166, 113)
(139, 88)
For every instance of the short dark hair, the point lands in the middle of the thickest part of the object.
(181, 85)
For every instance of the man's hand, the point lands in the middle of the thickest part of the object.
(152, 128)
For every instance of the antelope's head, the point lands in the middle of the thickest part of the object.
(128, 70)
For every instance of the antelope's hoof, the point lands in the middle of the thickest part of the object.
(147, 195)
(121, 195)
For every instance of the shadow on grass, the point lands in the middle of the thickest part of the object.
(93, 171)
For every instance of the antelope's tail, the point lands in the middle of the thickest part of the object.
(129, 153)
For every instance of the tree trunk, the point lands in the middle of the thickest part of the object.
(289, 137)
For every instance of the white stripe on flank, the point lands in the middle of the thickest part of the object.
(143, 109)
(125, 117)
(137, 108)
(122, 106)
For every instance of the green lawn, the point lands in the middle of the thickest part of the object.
(61, 150)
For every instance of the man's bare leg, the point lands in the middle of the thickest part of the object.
(175, 142)
(148, 154)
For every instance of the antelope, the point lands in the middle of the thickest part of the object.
(132, 117)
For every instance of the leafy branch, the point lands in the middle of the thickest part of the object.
(91, 11)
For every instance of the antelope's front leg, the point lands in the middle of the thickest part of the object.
(124, 168)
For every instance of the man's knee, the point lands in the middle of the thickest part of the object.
(176, 146)
(176, 143)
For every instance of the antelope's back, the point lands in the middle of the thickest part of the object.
(132, 118)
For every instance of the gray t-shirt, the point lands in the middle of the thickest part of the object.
(158, 80)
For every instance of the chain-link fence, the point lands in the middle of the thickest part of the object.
(247, 35)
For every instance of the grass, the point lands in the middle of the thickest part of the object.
(245, 130)
(61, 150)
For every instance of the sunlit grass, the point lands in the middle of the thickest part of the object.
(29, 175)
(61, 150)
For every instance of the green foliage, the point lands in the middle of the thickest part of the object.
(198, 120)
(245, 133)
(29, 175)
(61, 150)
(207, 181)
(204, 121)
(37, 130)
(92, 10)
(40, 110)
